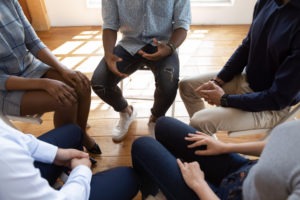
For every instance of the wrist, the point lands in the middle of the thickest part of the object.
(226, 148)
(224, 100)
(216, 81)
(43, 83)
(172, 47)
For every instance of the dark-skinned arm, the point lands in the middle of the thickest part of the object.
(109, 42)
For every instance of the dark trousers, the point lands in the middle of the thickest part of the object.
(114, 184)
(165, 71)
(155, 161)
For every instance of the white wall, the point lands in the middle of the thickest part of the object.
(76, 13)
(240, 12)
(72, 13)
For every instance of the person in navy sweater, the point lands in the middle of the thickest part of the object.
(259, 83)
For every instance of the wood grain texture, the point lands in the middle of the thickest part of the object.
(206, 49)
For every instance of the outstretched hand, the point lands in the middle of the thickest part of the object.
(163, 50)
(213, 146)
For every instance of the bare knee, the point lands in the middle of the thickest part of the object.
(83, 92)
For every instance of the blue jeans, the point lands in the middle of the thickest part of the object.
(155, 161)
(165, 71)
(114, 184)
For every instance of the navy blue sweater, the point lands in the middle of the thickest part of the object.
(270, 55)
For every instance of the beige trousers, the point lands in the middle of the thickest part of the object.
(212, 119)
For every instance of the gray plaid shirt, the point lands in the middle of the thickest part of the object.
(140, 21)
(19, 44)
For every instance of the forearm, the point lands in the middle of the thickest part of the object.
(247, 148)
(46, 56)
(236, 63)
(109, 40)
(204, 192)
(178, 36)
(21, 83)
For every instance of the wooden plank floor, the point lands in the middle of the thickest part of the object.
(206, 49)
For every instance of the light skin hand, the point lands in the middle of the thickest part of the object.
(80, 161)
(211, 92)
(111, 61)
(65, 157)
(194, 178)
(162, 51)
(191, 173)
(63, 93)
(213, 146)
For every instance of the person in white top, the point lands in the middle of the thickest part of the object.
(30, 166)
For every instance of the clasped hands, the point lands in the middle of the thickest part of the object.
(210, 92)
(71, 158)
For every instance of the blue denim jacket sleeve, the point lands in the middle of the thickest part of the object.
(182, 14)
(110, 15)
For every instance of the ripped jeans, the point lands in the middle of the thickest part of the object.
(165, 71)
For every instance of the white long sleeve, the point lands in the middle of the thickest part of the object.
(20, 180)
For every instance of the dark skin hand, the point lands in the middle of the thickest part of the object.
(111, 61)
(163, 50)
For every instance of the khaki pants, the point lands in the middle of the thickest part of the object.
(213, 119)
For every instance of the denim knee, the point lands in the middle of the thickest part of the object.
(75, 132)
(98, 89)
(160, 128)
(139, 144)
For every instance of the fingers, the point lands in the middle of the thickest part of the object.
(112, 64)
(79, 154)
(180, 164)
(66, 95)
(186, 165)
(200, 133)
(154, 56)
(196, 136)
(80, 161)
(117, 58)
(183, 166)
(77, 79)
(81, 80)
(199, 143)
(118, 73)
(162, 51)
(156, 42)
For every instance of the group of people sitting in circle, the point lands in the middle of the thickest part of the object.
(256, 88)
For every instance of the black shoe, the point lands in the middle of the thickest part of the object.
(93, 160)
(95, 149)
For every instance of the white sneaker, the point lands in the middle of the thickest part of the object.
(151, 129)
(121, 130)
